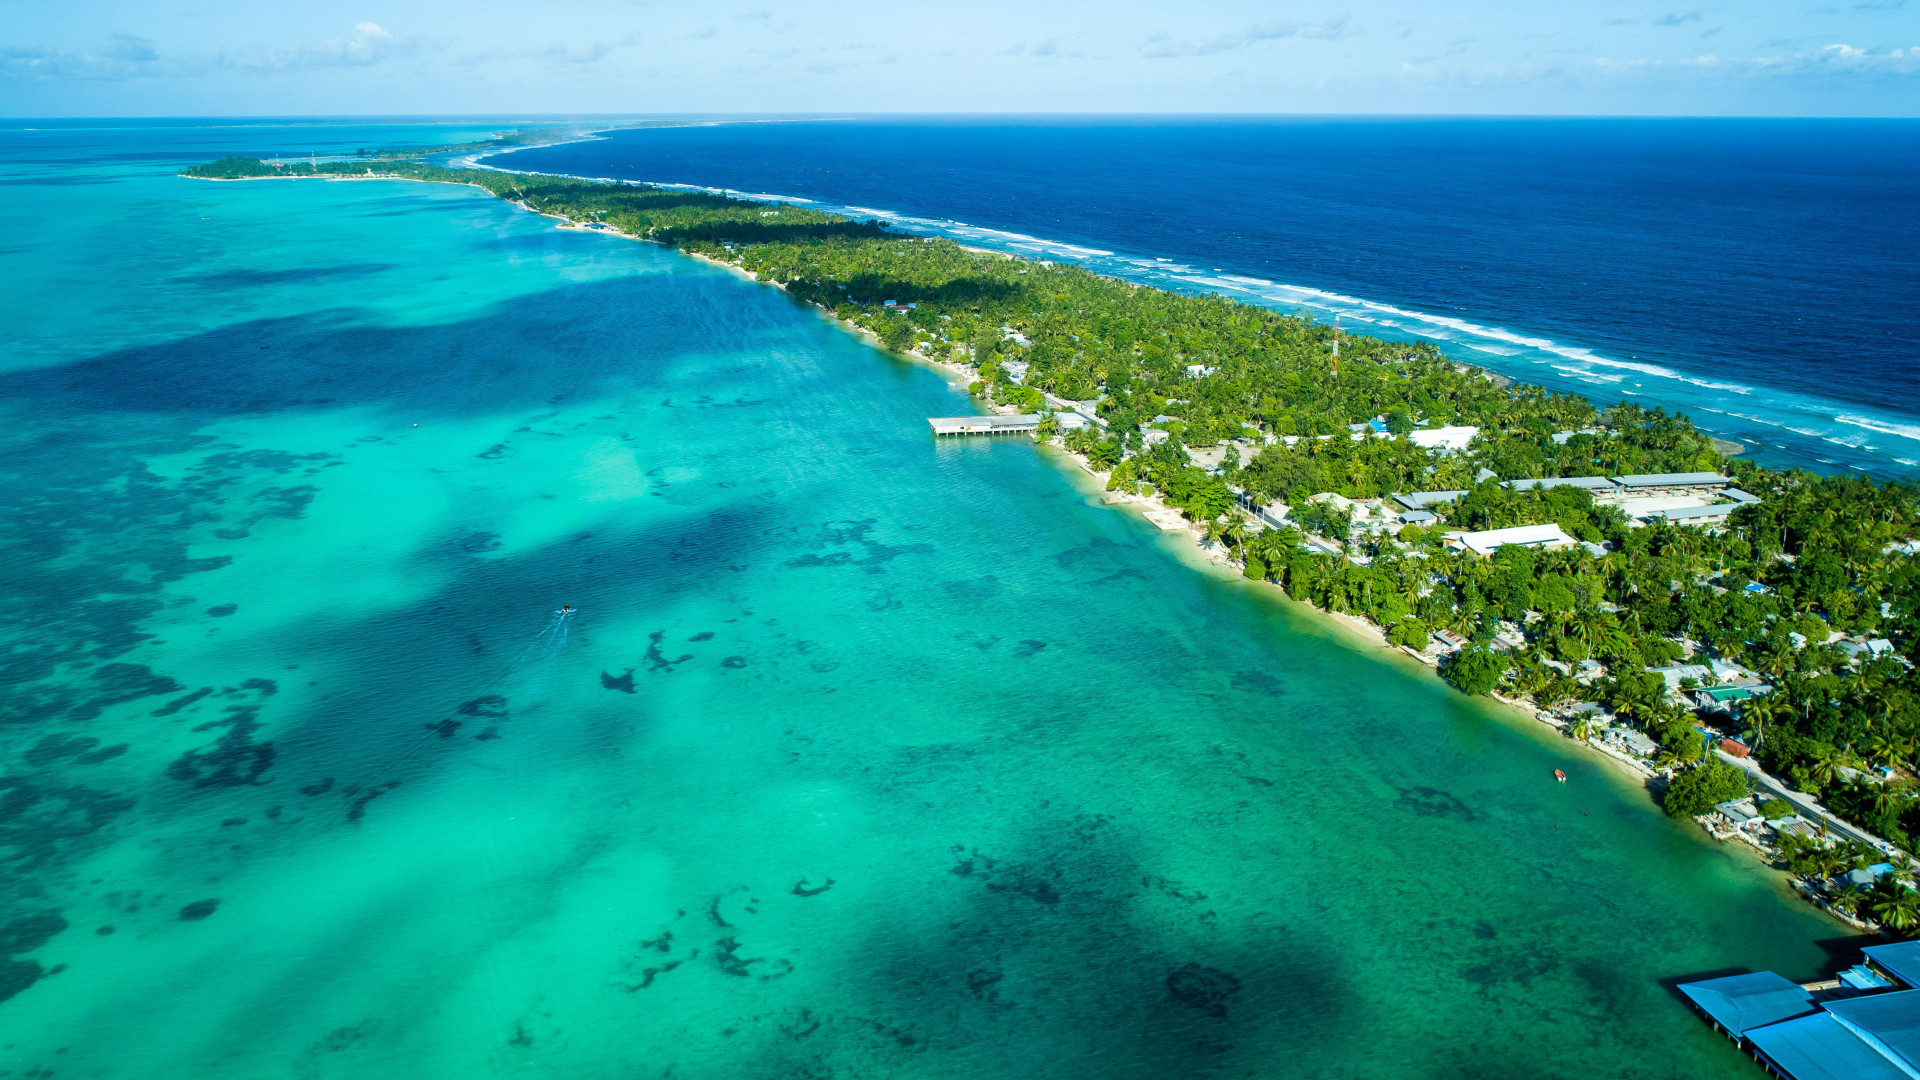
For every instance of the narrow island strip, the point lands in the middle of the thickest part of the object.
(1742, 637)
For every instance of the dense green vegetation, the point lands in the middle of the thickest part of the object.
(1825, 552)
(1697, 791)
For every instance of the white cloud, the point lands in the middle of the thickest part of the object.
(1836, 59)
(129, 56)
(370, 44)
(1166, 47)
(566, 55)
(131, 49)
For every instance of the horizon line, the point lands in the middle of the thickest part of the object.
(845, 115)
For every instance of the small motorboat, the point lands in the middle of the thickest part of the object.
(1560, 776)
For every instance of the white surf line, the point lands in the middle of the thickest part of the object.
(599, 134)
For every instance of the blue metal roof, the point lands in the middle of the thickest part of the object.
(1819, 1047)
(1892, 1020)
(1739, 1003)
(1902, 961)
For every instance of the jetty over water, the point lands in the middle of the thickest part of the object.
(1864, 1025)
(984, 425)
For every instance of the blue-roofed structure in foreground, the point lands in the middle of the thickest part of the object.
(1739, 1003)
(1900, 960)
(1858, 1029)
(1819, 1047)
(1890, 1023)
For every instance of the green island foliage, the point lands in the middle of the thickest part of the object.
(1698, 791)
(1816, 557)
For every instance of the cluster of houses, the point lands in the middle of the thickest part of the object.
(1676, 498)
(1862, 1025)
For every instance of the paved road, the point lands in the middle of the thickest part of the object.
(1808, 806)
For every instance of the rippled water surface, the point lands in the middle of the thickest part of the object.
(863, 757)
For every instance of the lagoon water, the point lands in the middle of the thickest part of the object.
(864, 756)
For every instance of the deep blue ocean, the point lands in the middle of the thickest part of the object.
(1761, 276)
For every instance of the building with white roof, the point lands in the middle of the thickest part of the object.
(1443, 438)
(1694, 515)
(1673, 674)
(1486, 542)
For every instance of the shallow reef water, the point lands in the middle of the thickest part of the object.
(863, 755)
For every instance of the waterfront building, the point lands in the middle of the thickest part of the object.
(1870, 1037)
(1899, 961)
(1634, 742)
(1738, 1004)
(1741, 814)
(1863, 1025)
(984, 425)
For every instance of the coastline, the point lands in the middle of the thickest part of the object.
(1358, 631)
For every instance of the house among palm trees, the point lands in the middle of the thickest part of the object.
(1862, 1025)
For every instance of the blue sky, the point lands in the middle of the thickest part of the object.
(220, 57)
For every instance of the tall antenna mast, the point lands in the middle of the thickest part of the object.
(1336, 347)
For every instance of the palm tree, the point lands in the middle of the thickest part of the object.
(1885, 747)
(1757, 713)
(1590, 626)
(1827, 861)
(1826, 765)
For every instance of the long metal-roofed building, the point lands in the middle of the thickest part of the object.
(1899, 961)
(1865, 1025)
(1421, 500)
(1739, 1003)
(1589, 483)
(1695, 515)
(1871, 1037)
(984, 425)
(1671, 483)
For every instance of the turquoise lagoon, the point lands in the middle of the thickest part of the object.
(865, 756)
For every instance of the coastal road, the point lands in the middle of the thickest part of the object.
(1809, 808)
